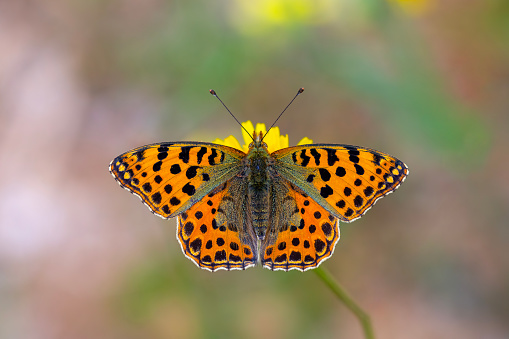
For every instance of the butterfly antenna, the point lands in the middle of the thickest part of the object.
(296, 95)
(221, 101)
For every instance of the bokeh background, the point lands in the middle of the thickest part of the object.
(83, 81)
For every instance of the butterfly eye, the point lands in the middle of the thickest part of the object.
(251, 145)
(264, 145)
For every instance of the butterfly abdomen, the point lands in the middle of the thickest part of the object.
(258, 190)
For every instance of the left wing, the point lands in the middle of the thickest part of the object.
(170, 177)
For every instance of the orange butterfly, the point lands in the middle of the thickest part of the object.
(278, 209)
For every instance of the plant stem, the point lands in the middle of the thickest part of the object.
(340, 292)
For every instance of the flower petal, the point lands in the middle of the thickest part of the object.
(305, 141)
(284, 141)
(272, 139)
(248, 125)
(261, 128)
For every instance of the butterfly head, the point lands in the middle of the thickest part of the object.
(258, 144)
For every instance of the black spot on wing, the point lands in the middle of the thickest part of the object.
(340, 172)
(234, 258)
(319, 246)
(327, 229)
(184, 153)
(368, 191)
(140, 154)
(147, 187)
(352, 150)
(212, 157)
(376, 158)
(188, 228)
(358, 201)
(305, 158)
(359, 169)
(354, 159)
(295, 256)
(324, 174)
(162, 155)
(189, 189)
(200, 154)
(175, 169)
(280, 259)
(332, 158)
(316, 155)
(326, 191)
(157, 166)
(341, 204)
(347, 191)
(195, 245)
(156, 198)
(220, 256)
(191, 172)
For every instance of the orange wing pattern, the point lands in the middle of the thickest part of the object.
(305, 244)
(209, 243)
(170, 177)
(345, 180)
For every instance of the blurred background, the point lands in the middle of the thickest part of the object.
(83, 81)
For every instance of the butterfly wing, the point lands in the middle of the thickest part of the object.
(211, 233)
(345, 180)
(307, 236)
(170, 177)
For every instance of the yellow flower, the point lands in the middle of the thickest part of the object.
(414, 7)
(274, 139)
(263, 16)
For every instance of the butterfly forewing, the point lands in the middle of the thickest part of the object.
(171, 177)
(346, 180)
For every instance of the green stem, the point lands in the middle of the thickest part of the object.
(340, 292)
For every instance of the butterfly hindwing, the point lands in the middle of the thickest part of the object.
(310, 237)
(346, 180)
(209, 237)
(171, 177)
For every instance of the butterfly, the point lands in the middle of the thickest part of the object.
(280, 209)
